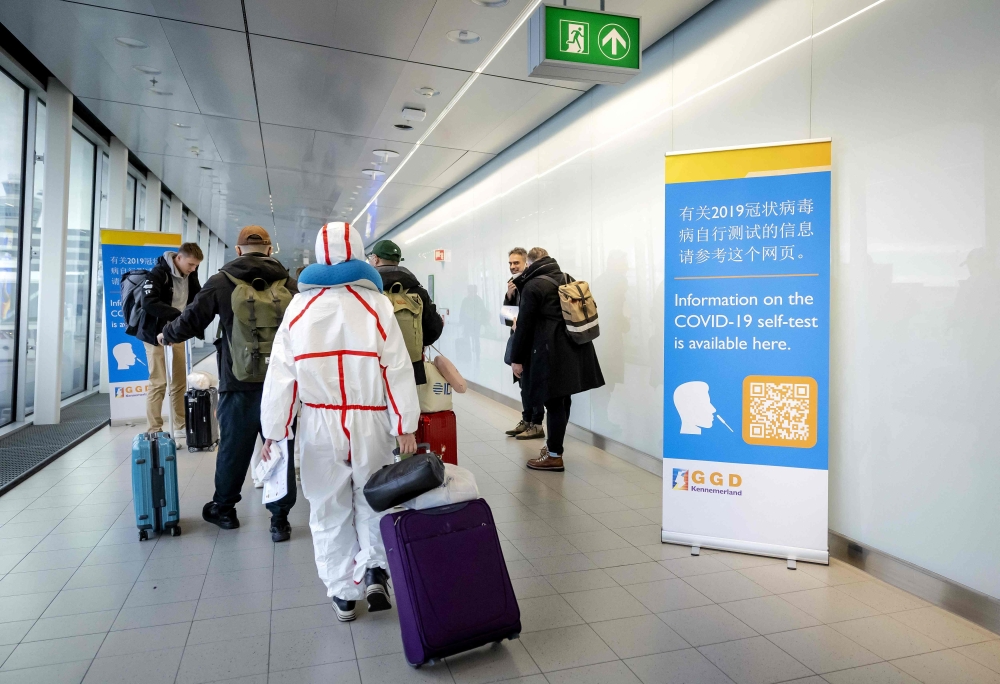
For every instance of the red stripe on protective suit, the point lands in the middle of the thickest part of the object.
(352, 407)
(291, 408)
(343, 400)
(365, 304)
(326, 246)
(399, 418)
(347, 239)
(306, 307)
(338, 352)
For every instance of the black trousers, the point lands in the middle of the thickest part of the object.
(239, 425)
(558, 419)
(529, 413)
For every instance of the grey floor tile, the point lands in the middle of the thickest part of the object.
(641, 535)
(297, 575)
(829, 605)
(603, 673)
(638, 636)
(882, 597)
(706, 625)
(296, 597)
(686, 666)
(301, 618)
(40, 581)
(333, 673)
(583, 580)
(118, 553)
(946, 667)
(242, 559)
(11, 633)
(65, 650)
(694, 565)
(63, 673)
(9, 560)
(175, 566)
(662, 552)
(151, 616)
(173, 590)
(822, 649)
(507, 661)
(781, 580)
(575, 524)
(229, 628)
(526, 529)
(125, 642)
(943, 627)
(886, 637)
(151, 667)
(770, 614)
(617, 557)
(879, 673)
(77, 540)
(723, 587)
(238, 604)
(25, 606)
(254, 581)
(51, 560)
(71, 625)
(664, 595)
(103, 575)
(605, 604)
(182, 546)
(392, 669)
(560, 649)
(986, 653)
(307, 647)
(542, 547)
(375, 634)
(532, 587)
(754, 661)
(547, 612)
(602, 540)
(223, 660)
(835, 573)
(639, 573)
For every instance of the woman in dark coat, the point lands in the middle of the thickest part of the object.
(555, 366)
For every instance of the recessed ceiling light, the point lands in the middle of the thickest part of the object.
(147, 70)
(463, 37)
(157, 91)
(403, 127)
(131, 43)
(491, 3)
(373, 174)
(358, 187)
(427, 91)
(180, 125)
(385, 155)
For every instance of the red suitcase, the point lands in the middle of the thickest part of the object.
(440, 431)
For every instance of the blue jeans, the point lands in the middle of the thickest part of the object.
(239, 425)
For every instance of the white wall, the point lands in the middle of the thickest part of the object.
(909, 93)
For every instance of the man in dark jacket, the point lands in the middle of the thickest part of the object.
(385, 256)
(556, 367)
(239, 401)
(532, 416)
(171, 285)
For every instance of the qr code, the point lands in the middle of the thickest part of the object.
(780, 411)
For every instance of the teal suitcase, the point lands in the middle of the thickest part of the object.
(154, 484)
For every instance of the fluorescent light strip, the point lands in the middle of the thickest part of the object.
(511, 30)
(634, 126)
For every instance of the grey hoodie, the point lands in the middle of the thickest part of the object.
(180, 297)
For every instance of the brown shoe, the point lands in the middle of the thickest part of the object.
(534, 431)
(518, 429)
(546, 461)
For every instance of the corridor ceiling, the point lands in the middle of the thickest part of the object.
(238, 104)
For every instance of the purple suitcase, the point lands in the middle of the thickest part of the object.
(452, 589)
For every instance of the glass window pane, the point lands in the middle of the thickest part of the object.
(105, 188)
(129, 203)
(33, 263)
(76, 309)
(12, 99)
(164, 216)
(140, 208)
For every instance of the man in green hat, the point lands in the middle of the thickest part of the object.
(385, 256)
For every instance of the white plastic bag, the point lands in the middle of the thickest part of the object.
(459, 485)
(201, 380)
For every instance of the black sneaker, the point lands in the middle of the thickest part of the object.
(280, 529)
(344, 609)
(223, 517)
(377, 592)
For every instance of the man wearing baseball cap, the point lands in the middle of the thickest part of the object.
(240, 390)
(385, 256)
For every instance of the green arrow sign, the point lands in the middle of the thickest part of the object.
(596, 38)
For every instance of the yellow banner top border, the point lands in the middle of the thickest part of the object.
(728, 163)
(140, 238)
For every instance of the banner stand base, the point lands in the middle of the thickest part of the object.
(789, 553)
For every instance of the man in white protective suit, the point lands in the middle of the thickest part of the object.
(340, 362)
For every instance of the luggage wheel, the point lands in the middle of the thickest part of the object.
(143, 535)
(192, 449)
(175, 531)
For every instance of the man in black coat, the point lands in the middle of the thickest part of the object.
(385, 256)
(239, 402)
(170, 286)
(556, 367)
(532, 415)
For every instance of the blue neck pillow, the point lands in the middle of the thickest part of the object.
(344, 273)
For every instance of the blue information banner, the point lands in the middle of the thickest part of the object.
(747, 349)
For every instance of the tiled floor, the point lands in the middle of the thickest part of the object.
(601, 599)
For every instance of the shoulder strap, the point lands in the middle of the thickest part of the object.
(396, 287)
(234, 279)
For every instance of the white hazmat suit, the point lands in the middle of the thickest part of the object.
(339, 361)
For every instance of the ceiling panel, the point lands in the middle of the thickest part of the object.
(487, 104)
(546, 102)
(321, 88)
(221, 13)
(490, 23)
(446, 82)
(237, 141)
(469, 162)
(428, 163)
(377, 27)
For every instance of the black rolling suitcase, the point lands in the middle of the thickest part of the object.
(202, 425)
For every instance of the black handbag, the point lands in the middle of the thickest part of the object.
(510, 351)
(399, 482)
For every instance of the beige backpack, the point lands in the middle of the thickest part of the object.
(579, 309)
(408, 308)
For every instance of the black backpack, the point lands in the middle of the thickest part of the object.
(131, 298)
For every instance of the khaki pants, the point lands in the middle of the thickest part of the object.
(156, 358)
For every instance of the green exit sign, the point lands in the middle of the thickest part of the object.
(581, 45)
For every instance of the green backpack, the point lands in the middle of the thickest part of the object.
(258, 307)
(408, 308)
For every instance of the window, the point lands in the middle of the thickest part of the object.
(105, 187)
(79, 235)
(140, 208)
(13, 100)
(129, 203)
(33, 262)
(164, 216)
